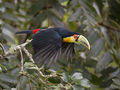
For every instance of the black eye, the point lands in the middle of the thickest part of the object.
(77, 38)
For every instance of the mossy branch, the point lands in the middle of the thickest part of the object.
(22, 48)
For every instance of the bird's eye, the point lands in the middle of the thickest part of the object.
(75, 36)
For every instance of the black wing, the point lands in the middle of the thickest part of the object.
(47, 47)
(68, 50)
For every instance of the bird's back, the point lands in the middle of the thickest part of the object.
(63, 31)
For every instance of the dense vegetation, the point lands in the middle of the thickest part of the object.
(97, 69)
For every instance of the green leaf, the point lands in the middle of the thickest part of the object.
(85, 83)
(106, 83)
(22, 83)
(9, 5)
(91, 62)
(104, 62)
(57, 6)
(97, 9)
(116, 81)
(55, 80)
(2, 68)
(65, 77)
(7, 78)
(4, 85)
(9, 17)
(8, 33)
(114, 10)
(55, 19)
(37, 6)
(114, 74)
(95, 79)
(77, 87)
(68, 86)
(100, 4)
(38, 19)
(77, 76)
(76, 15)
(97, 47)
(92, 36)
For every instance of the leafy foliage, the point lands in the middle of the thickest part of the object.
(98, 20)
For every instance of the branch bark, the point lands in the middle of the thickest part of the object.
(21, 48)
(3, 49)
(108, 26)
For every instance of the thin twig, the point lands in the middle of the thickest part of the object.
(5, 55)
(22, 45)
(21, 55)
(30, 77)
(12, 50)
(3, 49)
(28, 54)
(117, 38)
(46, 76)
(20, 48)
(109, 26)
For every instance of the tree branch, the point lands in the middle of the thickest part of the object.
(13, 49)
(108, 26)
(28, 54)
(21, 48)
(21, 59)
(3, 49)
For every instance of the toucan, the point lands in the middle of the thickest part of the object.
(51, 43)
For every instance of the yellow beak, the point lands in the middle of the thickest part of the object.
(83, 41)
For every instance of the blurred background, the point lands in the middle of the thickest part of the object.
(97, 20)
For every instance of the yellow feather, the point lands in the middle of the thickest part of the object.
(69, 39)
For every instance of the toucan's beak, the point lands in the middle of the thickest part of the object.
(83, 41)
(80, 40)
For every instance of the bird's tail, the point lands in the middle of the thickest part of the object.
(28, 31)
(25, 32)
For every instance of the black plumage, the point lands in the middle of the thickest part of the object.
(48, 45)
